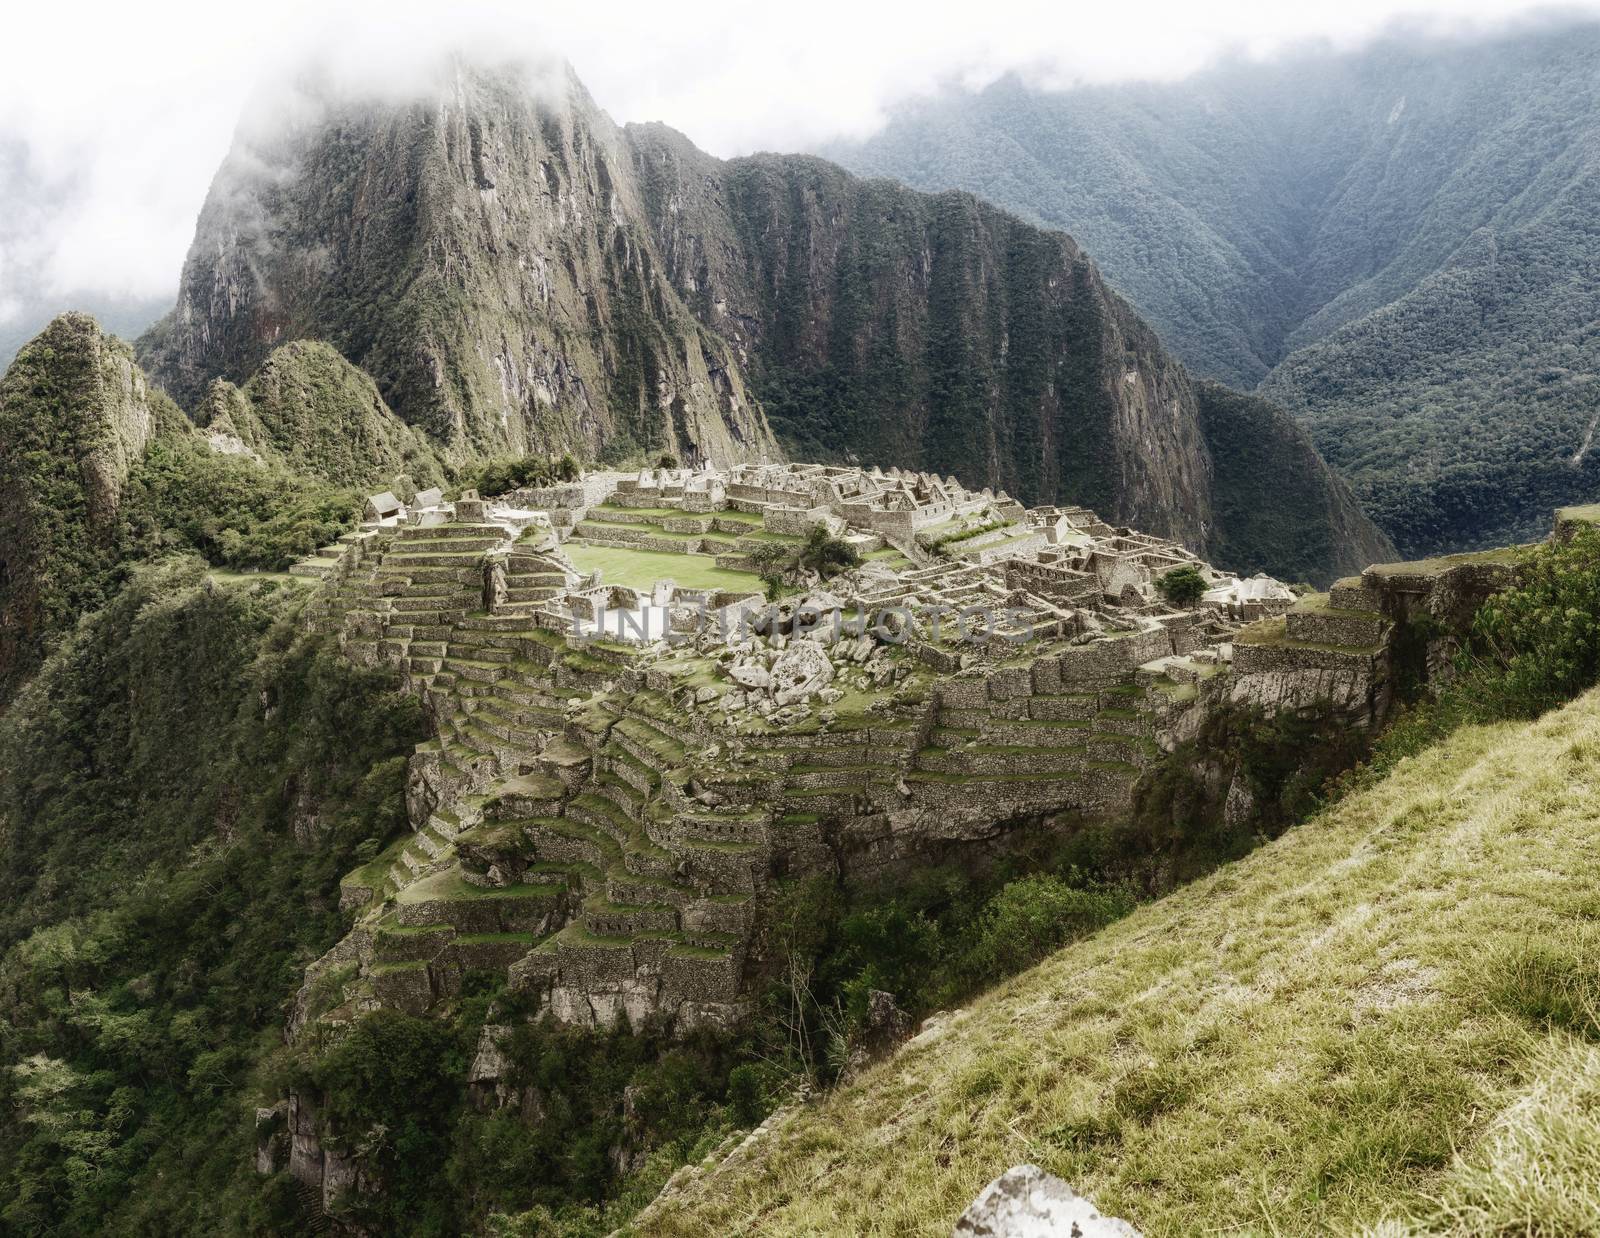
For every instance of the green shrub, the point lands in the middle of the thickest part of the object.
(234, 511)
(1537, 645)
(1182, 587)
(754, 1089)
(780, 563)
(1033, 916)
(500, 476)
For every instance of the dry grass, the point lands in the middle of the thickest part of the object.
(1385, 1021)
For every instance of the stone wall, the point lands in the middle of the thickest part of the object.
(798, 521)
(1274, 679)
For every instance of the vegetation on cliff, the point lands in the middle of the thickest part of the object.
(1397, 239)
(1279, 507)
(311, 412)
(937, 331)
(181, 787)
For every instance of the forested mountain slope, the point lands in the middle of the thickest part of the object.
(1396, 242)
(100, 470)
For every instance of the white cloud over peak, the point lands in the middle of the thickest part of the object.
(119, 114)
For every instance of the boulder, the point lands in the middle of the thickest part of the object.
(750, 675)
(1240, 805)
(800, 670)
(1026, 1202)
(885, 1026)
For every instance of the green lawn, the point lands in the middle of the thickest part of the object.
(639, 569)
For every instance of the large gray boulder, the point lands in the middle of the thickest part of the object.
(1026, 1202)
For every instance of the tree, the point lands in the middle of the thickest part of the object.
(778, 563)
(825, 554)
(1182, 587)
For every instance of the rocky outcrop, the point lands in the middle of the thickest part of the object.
(310, 410)
(75, 416)
(481, 250)
(1026, 1202)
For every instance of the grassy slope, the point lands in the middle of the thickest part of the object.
(1349, 1028)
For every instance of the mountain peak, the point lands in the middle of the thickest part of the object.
(481, 251)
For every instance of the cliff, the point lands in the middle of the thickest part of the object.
(518, 274)
(480, 250)
(1278, 502)
(939, 331)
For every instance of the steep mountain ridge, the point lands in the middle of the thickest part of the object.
(985, 347)
(479, 250)
(310, 410)
(76, 415)
(1296, 224)
(517, 274)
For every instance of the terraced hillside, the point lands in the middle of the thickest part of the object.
(600, 820)
(578, 828)
(610, 816)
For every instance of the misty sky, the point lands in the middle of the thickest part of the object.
(113, 117)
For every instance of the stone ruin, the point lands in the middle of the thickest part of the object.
(603, 813)
(606, 805)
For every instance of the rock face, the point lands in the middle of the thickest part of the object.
(481, 251)
(312, 411)
(519, 274)
(75, 416)
(1026, 1202)
(932, 331)
(940, 332)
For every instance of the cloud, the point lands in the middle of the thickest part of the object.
(119, 115)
